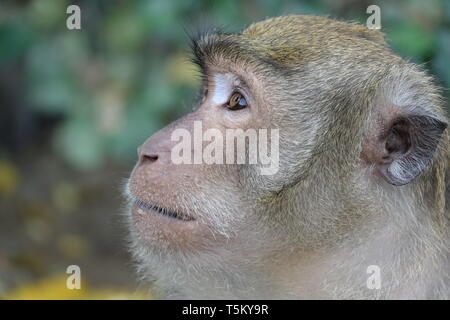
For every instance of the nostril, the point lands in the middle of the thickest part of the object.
(149, 158)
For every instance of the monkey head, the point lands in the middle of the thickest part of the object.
(358, 131)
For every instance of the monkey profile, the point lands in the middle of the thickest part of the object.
(362, 178)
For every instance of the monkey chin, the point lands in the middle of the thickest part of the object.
(159, 228)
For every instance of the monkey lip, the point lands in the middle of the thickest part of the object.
(157, 227)
(143, 207)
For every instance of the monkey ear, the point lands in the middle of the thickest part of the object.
(405, 147)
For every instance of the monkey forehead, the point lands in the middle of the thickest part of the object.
(289, 40)
(299, 38)
(301, 27)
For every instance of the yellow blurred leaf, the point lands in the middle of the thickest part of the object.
(9, 178)
(45, 289)
(54, 288)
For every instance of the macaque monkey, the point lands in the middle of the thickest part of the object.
(362, 182)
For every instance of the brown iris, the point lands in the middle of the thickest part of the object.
(236, 102)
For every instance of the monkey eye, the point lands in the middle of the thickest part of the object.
(236, 102)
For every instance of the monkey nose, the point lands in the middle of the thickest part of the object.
(146, 156)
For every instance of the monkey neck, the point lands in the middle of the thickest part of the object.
(332, 259)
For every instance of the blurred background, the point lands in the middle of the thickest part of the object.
(75, 104)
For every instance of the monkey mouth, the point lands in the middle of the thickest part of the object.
(148, 207)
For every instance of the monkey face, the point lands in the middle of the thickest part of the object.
(197, 206)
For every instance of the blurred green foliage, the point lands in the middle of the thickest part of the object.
(126, 73)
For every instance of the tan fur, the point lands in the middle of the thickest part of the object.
(334, 90)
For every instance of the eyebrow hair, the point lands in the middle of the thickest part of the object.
(209, 46)
(212, 43)
(197, 45)
(198, 56)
